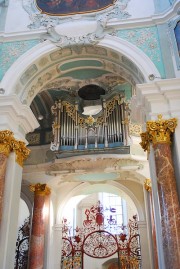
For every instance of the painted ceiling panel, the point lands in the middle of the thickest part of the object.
(77, 64)
(84, 74)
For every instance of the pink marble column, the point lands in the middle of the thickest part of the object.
(159, 134)
(36, 255)
(169, 205)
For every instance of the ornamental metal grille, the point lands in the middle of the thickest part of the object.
(22, 246)
(95, 240)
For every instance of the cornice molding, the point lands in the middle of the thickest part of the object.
(128, 23)
(16, 116)
(153, 20)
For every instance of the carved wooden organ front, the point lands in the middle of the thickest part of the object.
(74, 131)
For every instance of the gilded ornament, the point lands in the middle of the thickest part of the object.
(147, 184)
(90, 121)
(135, 129)
(129, 262)
(40, 189)
(158, 132)
(22, 152)
(6, 137)
(5, 149)
(145, 142)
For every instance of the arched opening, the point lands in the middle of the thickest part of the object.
(95, 245)
(48, 74)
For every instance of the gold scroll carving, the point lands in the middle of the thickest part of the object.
(40, 189)
(8, 144)
(158, 132)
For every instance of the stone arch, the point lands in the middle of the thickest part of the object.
(28, 59)
(113, 187)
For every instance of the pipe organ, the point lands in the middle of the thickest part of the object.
(74, 131)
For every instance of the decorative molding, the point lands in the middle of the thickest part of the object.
(60, 40)
(16, 116)
(38, 19)
(135, 129)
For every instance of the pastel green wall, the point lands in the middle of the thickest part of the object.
(147, 40)
(11, 51)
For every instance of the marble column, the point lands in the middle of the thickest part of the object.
(36, 256)
(8, 144)
(159, 134)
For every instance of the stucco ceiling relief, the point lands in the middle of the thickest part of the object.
(40, 17)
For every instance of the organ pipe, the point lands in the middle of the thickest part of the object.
(72, 129)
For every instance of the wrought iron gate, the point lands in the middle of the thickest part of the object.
(95, 240)
(22, 246)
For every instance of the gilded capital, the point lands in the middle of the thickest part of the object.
(147, 184)
(6, 137)
(158, 132)
(161, 130)
(40, 189)
(8, 144)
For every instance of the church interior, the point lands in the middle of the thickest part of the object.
(89, 134)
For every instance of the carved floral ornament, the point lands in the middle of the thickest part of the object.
(158, 132)
(40, 189)
(8, 144)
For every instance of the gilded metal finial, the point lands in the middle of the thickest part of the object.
(147, 184)
(40, 189)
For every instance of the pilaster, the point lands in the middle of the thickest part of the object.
(16, 117)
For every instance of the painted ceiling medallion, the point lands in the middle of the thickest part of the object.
(69, 7)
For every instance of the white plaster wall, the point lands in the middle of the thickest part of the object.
(17, 18)
(140, 9)
(23, 212)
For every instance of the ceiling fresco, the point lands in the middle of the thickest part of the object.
(79, 67)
